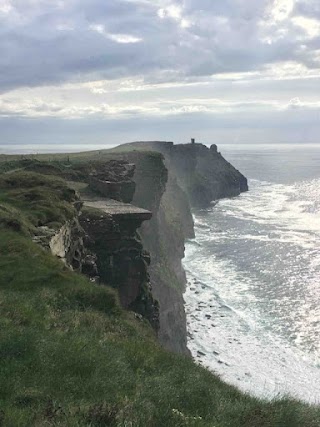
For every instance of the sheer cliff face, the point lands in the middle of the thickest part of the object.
(201, 172)
(205, 175)
(164, 237)
(186, 176)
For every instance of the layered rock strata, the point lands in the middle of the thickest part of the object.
(101, 241)
(122, 262)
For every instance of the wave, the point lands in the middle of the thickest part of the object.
(254, 283)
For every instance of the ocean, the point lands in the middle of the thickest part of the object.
(253, 269)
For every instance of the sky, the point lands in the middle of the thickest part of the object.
(113, 71)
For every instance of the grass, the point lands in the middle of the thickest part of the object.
(70, 356)
(63, 160)
(29, 200)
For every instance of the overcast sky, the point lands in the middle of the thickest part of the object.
(112, 71)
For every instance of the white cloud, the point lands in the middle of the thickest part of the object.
(5, 6)
(104, 103)
(65, 27)
(124, 38)
(296, 103)
(174, 12)
(282, 9)
(39, 107)
(119, 38)
(97, 28)
(310, 26)
(290, 70)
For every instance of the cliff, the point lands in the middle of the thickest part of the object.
(165, 181)
(70, 354)
(121, 260)
(91, 234)
(202, 172)
(185, 176)
(163, 237)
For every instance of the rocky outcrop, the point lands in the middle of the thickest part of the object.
(111, 229)
(67, 244)
(67, 241)
(122, 261)
(113, 180)
(101, 241)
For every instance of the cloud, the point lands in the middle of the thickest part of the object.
(119, 38)
(255, 126)
(44, 42)
(36, 108)
(307, 8)
(237, 66)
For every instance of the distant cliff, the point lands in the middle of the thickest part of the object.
(201, 172)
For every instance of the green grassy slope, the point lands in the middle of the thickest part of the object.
(29, 200)
(70, 356)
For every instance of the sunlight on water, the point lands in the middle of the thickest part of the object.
(253, 295)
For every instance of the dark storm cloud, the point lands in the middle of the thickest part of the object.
(49, 42)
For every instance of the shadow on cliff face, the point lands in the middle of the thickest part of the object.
(185, 176)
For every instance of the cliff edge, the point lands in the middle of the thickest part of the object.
(186, 176)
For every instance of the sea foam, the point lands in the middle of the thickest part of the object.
(253, 290)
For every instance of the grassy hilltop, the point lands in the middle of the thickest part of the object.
(70, 356)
